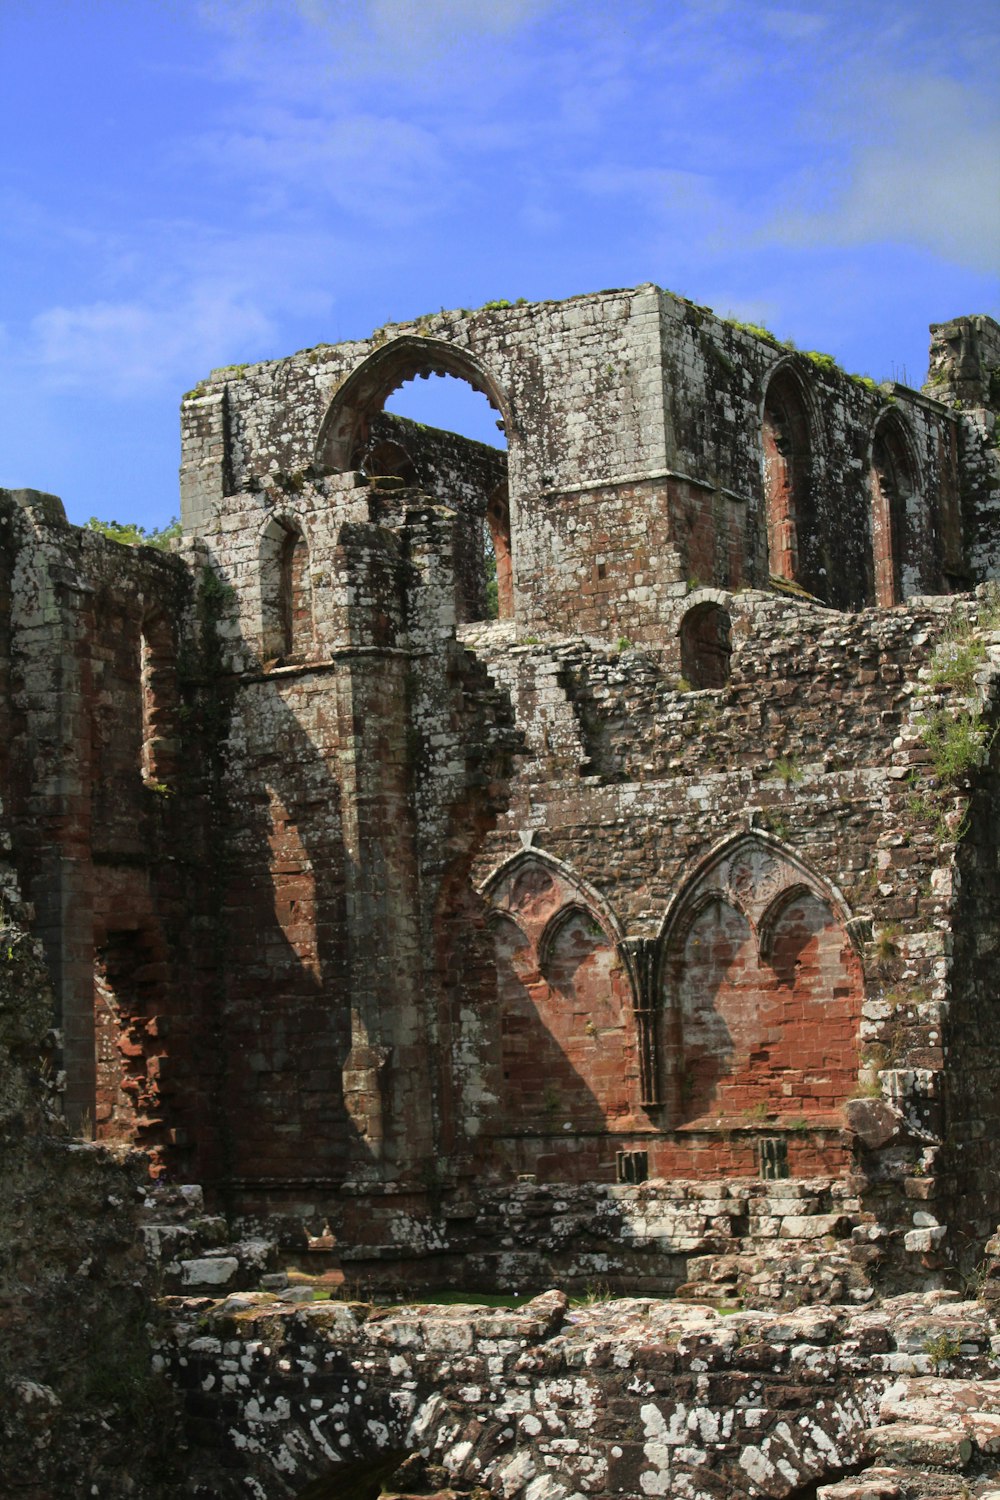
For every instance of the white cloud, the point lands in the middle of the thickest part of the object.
(358, 40)
(131, 348)
(925, 170)
(380, 169)
(436, 22)
(793, 25)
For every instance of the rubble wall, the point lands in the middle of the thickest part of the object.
(632, 1397)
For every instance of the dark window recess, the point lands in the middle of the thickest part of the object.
(772, 1156)
(631, 1166)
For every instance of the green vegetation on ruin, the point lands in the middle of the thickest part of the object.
(128, 534)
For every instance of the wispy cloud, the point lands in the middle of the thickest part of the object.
(794, 25)
(379, 168)
(132, 348)
(925, 170)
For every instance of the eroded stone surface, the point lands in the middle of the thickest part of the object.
(633, 1396)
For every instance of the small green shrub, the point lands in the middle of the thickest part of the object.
(597, 1291)
(821, 361)
(756, 329)
(128, 534)
(756, 1114)
(941, 1348)
(787, 769)
(988, 614)
(957, 659)
(958, 743)
(887, 943)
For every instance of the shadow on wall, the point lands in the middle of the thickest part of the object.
(762, 990)
(756, 999)
(567, 1045)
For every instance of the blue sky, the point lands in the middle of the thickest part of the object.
(185, 185)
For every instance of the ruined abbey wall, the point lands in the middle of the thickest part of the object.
(362, 906)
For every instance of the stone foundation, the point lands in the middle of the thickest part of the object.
(633, 1397)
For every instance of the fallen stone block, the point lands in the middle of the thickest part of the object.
(216, 1270)
(917, 1443)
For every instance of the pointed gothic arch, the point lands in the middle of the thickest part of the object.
(893, 477)
(567, 1025)
(551, 867)
(761, 986)
(786, 463)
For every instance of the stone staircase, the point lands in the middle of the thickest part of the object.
(191, 1249)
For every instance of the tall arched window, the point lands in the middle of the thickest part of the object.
(790, 523)
(893, 482)
(285, 590)
(443, 397)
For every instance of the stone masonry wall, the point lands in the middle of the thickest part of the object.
(634, 1397)
(312, 936)
(637, 463)
(818, 744)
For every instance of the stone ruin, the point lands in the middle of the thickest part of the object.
(621, 915)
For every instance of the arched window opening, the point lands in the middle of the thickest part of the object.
(160, 701)
(463, 464)
(286, 592)
(786, 447)
(449, 417)
(892, 484)
(450, 405)
(297, 593)
(706, 646)
(499, 567)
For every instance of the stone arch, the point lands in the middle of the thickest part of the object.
(568, 1040)
(762, 987)
(786, 459)
(286, 609)
(532, 870)
(344, 428)
(706, 638)
(893, 480)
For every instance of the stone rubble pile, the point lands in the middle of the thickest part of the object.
(634, 1396)
(191, 1249)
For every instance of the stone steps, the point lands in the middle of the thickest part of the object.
(192, 1251)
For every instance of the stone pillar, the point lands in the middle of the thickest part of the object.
(639, 956)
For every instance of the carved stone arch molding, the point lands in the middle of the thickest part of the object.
(761, 984)
(525, 884)
(570, 1057)
(363, 394)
